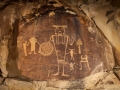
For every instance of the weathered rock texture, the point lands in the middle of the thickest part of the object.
(59, 45)
(55, 47)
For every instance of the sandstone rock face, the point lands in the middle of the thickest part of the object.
(104, 81)
(111, 29)
(19, 85)
(3, 87)
(54, 46)
(1, 80)
(58, 46)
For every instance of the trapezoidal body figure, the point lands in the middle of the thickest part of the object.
(33, 42)
(60, 42)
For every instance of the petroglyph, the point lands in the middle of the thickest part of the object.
(71, 52)
(46, 49)
(79, 43)
(84, 59)
(25, 44)
(72, 66)
(60, 39)
(33, 42)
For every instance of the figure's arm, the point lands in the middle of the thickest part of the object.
(38, 43)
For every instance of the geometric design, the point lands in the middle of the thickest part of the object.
(46, 48)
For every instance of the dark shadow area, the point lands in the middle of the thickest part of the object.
(13, 53)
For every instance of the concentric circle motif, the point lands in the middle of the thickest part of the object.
(46, 48)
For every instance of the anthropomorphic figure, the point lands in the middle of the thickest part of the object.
(4, 56)
(60, 39)
(72, 54)
(25, 44)
(71, 66)
(33, 42)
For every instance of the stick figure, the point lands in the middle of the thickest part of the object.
(71, 66)
(33, 42)
(25, 44)
(72, 54)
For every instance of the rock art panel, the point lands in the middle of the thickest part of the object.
(59, 47)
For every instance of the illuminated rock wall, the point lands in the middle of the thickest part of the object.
(57, 46)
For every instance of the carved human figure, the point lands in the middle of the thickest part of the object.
(4, 56)
(84, 59)
(60, 39)
(72, 54)
(25, 44)
(71, 66)
(33, 42)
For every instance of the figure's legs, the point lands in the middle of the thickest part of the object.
(58, 70)
(88, 66)
(72, 68)
(63, 73)
(30, 52)
(72, 58)
(63, 70)
(80, 66)
(25, 51)
(34, 52)
(34, 49)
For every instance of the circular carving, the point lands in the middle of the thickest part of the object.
(46, 48)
